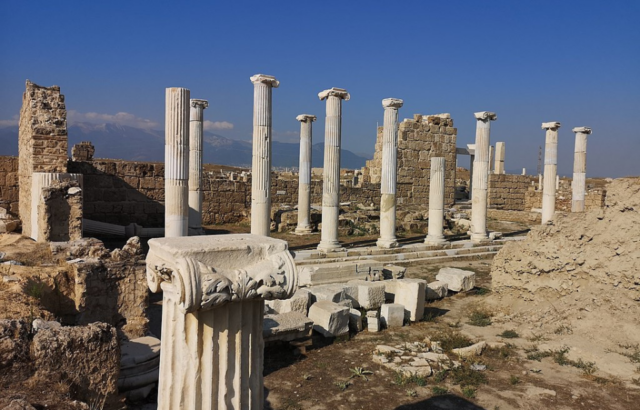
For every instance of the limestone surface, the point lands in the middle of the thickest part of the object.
(370, 295)
(410, 293)
(436, 290)
(329, 319)
(457, 280)
(392, 315)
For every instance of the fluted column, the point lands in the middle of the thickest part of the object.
(481, 176)
(435, 234)
(195, 166)
(176, 163)
(389, 173)
(499, 166)
(579, 182)
(304, 176)
(491, 156)
(550, 170)
(261, 162)
(214, 287)
(331, 172)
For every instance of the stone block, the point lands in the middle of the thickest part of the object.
(355, 320)
(457, 280)
(286, 326)
(329, 319)
(392, 315)
(373, 324)
(410, 293)
(436, 290)
(370, 295)
(334, 293)
(393, 272)
(299, 302)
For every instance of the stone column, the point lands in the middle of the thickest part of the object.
(331, 172)
(491, 156)
(261, 164)
(195, 166)
(579, 182)
(481, 176)
(304, 174)
(214, 287)
(499, 166)
(176, 163)
(472, 158)
(389, 173)
(436, 202)
(550, 170)
(524, 171)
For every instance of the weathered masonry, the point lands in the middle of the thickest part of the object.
(419, 139)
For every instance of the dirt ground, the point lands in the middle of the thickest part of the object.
(511, 381)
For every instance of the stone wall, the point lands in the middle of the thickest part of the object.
(9, 184)
(594, 198)
(122, 192)
(508, 192)
(60, 212)
(419, 139)
(42, 140)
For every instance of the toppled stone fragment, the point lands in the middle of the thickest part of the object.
(457, 280)
(473, 350)
(299, 302)
(329, 319)
(410, 293)
(370, 295)
(392, 315)
(436, 290)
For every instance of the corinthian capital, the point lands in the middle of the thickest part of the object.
(207, 271)
(334, 92)
(265, 79)
(392, 103)
(306, 117)
(485, 116)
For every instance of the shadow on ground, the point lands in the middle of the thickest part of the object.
(444, 402)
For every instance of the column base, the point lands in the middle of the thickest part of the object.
(303, 230)
(330, 247)
(387, 243)
(480, 238)
(435, 241)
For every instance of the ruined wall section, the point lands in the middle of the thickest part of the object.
(508, 192)
(122, 192)
(419, 139)
(594, 198)
(9, 187)
(42, 140)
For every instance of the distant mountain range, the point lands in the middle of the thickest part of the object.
(135, 144)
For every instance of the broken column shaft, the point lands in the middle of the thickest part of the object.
(579, 182)
(550, 170)
(261, 161)
(499, 166)
(435, 234)
(304, 175)
(195, 165)
(176, 158)
(331, 172)
(389, 173)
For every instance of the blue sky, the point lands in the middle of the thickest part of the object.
(577, 62)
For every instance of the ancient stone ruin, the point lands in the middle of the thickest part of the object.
(431, 232)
